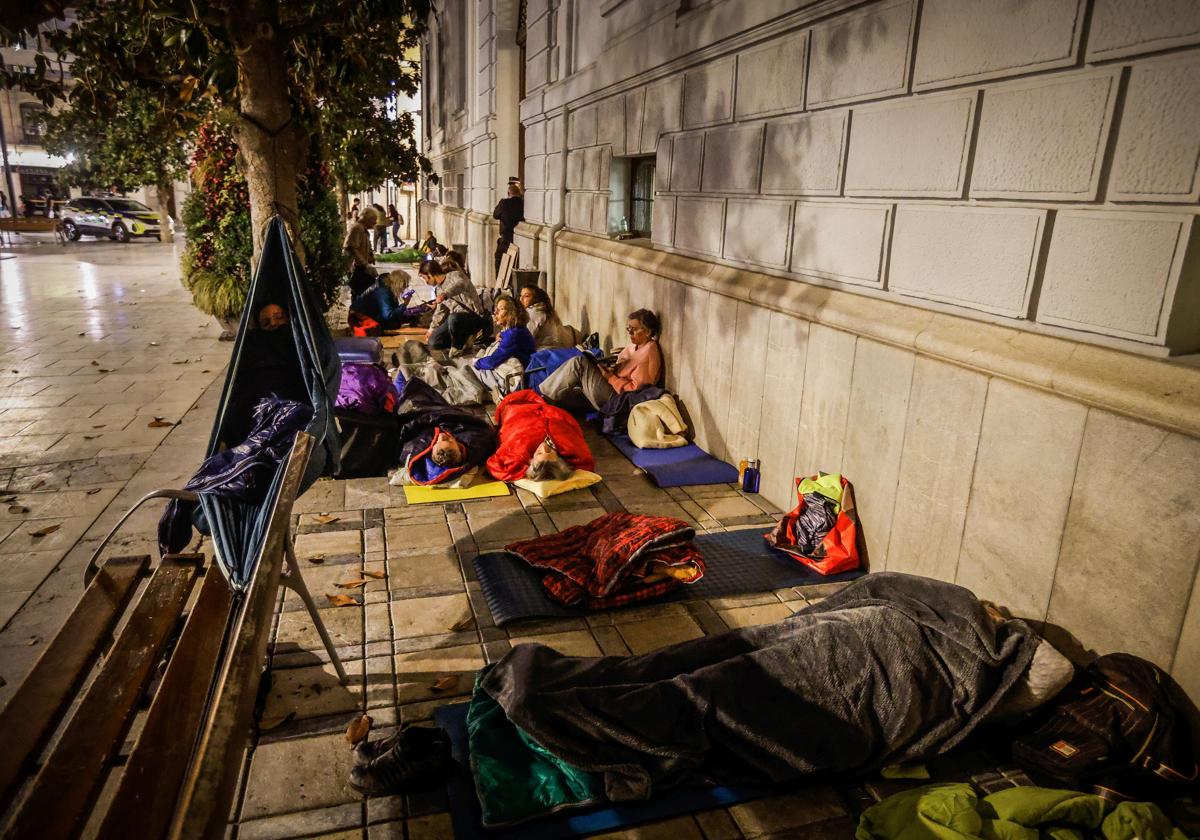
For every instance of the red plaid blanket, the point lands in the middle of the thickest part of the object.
(617, 559)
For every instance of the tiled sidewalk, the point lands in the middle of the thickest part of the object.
(425, 621)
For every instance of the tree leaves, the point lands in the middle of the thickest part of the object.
(343, 600)
(358, 730)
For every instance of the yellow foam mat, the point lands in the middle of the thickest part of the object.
(416, 495)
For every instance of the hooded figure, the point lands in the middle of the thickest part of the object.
(439, 443)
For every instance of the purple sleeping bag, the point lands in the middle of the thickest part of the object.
(366, 350)
(365, 389)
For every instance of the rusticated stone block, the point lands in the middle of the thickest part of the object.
(969, 40)
(699, 223)
(980, 257)
(733, 159)
(662, 222)
(708, 94)
(576, 175)
(687, 153)
(1044, 139)
(581, 127)
(803, 155)
(1158, 148)
(610, 123)
(863, 55)
(770, 77)
(535, 138)
(841, 241)
(579, 210)
(1132, 27)
(756, 231)
(599, 213)
(1116, 273)
(931, 161)
(661, 111)
(635, 106)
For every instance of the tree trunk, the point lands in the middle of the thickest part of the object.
(164, 194)
(343, 201)
(272, 148)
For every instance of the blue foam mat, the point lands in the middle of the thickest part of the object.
(678, 467)
(465, 812)
(738, 562)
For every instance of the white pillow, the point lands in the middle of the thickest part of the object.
(544, 489)
(1049, 672)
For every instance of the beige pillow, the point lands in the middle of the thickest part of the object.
(1049, 672)
(544, 489)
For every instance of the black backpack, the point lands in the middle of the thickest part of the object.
(1120, 730)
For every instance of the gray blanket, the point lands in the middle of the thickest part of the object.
(892, 668)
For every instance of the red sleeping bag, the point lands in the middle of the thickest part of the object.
(525, 420)
(835, 552)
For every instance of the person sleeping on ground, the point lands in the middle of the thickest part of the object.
(509, 353)
(538, 441)
(891, 669)
(638, 364)
(458, 313)
(439, 444)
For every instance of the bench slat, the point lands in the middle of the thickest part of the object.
(145, 798)
(35, 708)
(207, 795)
(62, 790)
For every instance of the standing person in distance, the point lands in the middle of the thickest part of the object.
(511, 212)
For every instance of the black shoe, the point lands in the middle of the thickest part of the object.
(401, 771)
(591, 342)
(415, 739)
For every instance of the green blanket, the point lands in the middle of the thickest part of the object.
(955, 812)
(515, 778)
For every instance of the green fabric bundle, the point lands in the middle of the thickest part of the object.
(516, 779)
(955, 812)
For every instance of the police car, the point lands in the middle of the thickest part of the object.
(117, 218)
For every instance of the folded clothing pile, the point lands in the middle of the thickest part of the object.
(617, 559)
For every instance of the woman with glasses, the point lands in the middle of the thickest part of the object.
(637, 365)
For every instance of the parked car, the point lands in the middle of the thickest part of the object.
(117, 218)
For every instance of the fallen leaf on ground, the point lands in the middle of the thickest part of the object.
(41, 532)
(325, 519)
(38, 483)
(343, 600)
(94, 364)
(206, 371)
(352, 584)
(153, 343)
(104, 370)
(462, 624)
(358, 730)
(182, 362)
(9, 498)
(445, 683)
(316, 558)
(90, 437)
(159, 423)
(82, 334)
(94, 491)
(18, 509)
(98, 426)
(375, 575)
(267, 724)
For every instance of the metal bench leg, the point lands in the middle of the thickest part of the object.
(295, 581)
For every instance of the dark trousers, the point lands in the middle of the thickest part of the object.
(456, 331)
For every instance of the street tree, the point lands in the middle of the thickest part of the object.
(289, 72)
(138, 144)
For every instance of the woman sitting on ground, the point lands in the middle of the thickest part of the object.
(459, 312)
(538, 441)
(544, 324)
(429, 244)
(513, 341)
(637, 365)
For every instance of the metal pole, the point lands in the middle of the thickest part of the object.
(12, 195)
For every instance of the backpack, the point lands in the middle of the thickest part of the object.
(1120, 731)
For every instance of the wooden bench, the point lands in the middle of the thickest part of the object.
(175, 641)
(33, 224)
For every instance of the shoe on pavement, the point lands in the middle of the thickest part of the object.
(413, 738)
(400, 770)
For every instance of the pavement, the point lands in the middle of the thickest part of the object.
(97, 340)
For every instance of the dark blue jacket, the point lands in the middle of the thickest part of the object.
(514, 342)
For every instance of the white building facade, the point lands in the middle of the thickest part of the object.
(947, 248)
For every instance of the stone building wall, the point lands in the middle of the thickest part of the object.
(934, 245)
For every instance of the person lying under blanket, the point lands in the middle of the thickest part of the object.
(537, 441)
(439, 444)
(893, 668)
